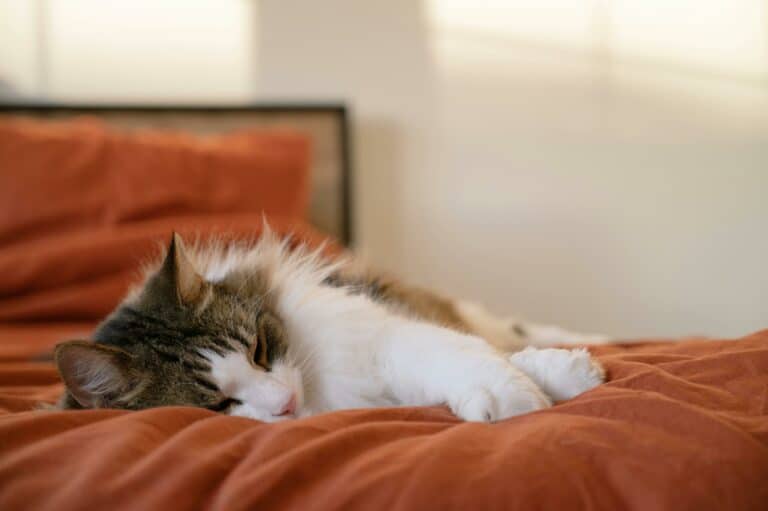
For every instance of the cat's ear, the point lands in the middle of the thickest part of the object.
(178, 277)
(189, 283)
(95, 374)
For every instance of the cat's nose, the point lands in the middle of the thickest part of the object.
(289, 407)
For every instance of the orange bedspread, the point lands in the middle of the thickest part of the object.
(680, 425)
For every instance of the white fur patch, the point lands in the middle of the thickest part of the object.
(562, 374)
(263, 394)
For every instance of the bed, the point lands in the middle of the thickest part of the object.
(680, 424)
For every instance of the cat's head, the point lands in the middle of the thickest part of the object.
(184, 340)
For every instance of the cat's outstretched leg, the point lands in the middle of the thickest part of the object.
(511, 334)
(426, 364)
(544, 336)
(561, 373)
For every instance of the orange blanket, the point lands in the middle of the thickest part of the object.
(680, 425)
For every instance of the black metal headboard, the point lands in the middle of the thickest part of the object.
(327, 124)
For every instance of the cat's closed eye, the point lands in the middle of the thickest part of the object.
(260, 354)
(224, 405)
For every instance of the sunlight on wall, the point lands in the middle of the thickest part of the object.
(137, 49)
(565, 22)
(611, 152)
(718, 37)
(724, 37)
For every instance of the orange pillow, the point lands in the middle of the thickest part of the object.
(83, 275)
(80, 174)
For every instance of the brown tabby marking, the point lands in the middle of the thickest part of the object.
(415, 300)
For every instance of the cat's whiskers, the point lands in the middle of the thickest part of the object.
(307, 359)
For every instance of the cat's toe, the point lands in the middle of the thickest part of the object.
(477, 406)
(482, 404)
(586, 372)
(562, 374)
(521, 398)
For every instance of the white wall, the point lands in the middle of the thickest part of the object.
(18, 46)
(523, 175)
(621, 193)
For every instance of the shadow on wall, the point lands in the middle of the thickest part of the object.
(375, 57)
(7, 91)
(381, 144)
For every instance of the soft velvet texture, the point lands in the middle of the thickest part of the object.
(70, 176)
(680, 425)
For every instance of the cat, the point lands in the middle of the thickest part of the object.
(274, 333)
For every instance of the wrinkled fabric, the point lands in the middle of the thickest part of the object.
(680, 425)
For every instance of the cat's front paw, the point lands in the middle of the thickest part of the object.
(561, 373)
(504, 393)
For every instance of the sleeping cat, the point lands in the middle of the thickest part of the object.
(266, 332)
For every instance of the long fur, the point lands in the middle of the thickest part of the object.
(347, 339)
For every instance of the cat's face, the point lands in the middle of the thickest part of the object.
(185, 341)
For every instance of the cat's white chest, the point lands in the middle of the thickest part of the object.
(336, 337)
(346, 376)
